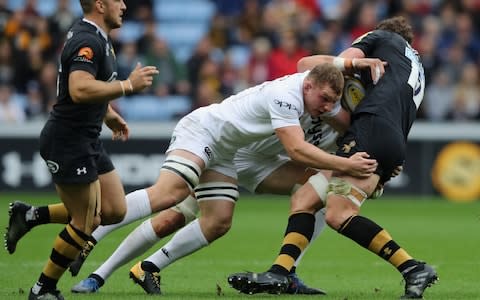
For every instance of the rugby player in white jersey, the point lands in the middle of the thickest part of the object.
(262, 167)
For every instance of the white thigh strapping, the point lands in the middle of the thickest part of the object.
(188, 207)
(320, 185)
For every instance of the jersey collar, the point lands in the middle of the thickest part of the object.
(102, 32)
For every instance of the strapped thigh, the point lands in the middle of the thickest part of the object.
(217, 190)
(320, 184)
(341, 187)
(185, 168)
(188, 208)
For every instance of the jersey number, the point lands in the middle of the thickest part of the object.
(417, 76)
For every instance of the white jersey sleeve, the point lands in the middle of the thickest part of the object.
(285, 107)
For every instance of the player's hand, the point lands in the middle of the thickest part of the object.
(362, 165)
(117, 125)
(376, 66)
(141, 77)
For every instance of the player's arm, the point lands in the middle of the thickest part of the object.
(293, 140)
(349, 60)
(117, 124)
(84, 88)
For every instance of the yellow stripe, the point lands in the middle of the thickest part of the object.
(74, 235)
(399, 257)
(65, 249)
(346, 223)
(58, 213)
(53, 270)
(285, 261)
(296, 239)
(357, 195)
(379, 241)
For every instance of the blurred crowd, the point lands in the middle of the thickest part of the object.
(208, 49)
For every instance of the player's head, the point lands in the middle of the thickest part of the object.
(322, 88)
(111, 11)
(398, 25)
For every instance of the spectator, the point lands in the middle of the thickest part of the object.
(172, 78)
(48, 84)
(438, 101)
(60, 22)
(35, 109)
(5, 14)
(127, 59)
(10, 110)
(7, 67)
(258, 65)
(467, 95)
(283, 60)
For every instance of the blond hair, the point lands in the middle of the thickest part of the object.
(327, 73)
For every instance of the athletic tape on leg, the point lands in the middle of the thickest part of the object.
(320, 185)
(339, 186)
(186, 169)
(188, 208)
(217, 191)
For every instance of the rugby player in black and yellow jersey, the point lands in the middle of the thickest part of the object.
(84, 176)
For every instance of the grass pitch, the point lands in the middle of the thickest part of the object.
(444, 234)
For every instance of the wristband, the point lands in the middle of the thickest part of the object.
(342, 63)
(123, 88)
(130, 86)
(339, 63)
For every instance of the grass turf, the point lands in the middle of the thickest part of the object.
(444, 234)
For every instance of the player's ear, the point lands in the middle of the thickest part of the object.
(307, 85)
(99, 4)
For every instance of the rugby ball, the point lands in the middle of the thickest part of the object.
(353, 93)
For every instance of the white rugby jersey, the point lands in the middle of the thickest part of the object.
(254, 114)
(317, 133)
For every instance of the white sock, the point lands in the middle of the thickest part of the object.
(319, 226)
(138, 206)
(187, 240)
(136, 243)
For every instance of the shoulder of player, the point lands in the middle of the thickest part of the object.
(85, 38)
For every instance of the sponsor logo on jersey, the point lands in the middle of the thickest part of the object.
(53, 166)
(208, 152)
(85, 54)
(285, 104)
(346, 148)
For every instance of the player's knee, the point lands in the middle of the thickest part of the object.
(167, 222)
(215, 225)
(113, 214)
(218, 227)
(335, 218)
